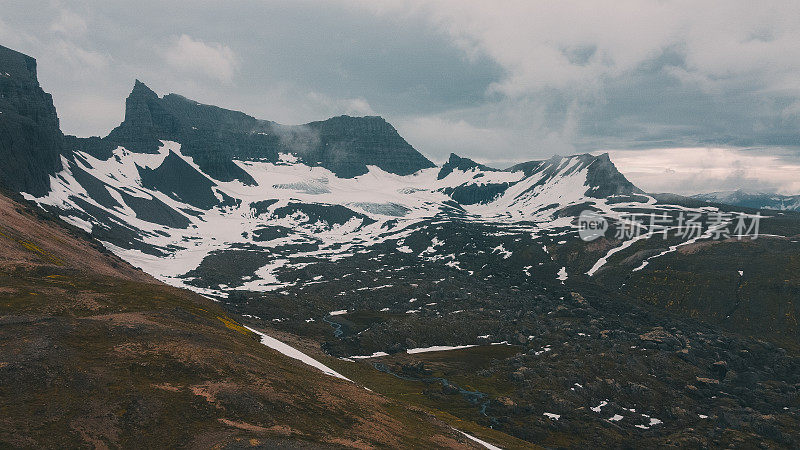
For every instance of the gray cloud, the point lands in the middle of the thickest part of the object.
(708, 169)
(634, 74)
(213, 60)
(499, 83)
(291, 62)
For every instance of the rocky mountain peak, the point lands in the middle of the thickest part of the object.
(143, 108)
(137, 105)
(146, 121)
(602, 176)
(606, 179)
(140, 90)
(463, 164)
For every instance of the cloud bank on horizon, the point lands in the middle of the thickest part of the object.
(665, 84)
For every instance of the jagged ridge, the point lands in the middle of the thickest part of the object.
(215, 136)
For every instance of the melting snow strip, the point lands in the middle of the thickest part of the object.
(374, 355)
(710, 232)
(437, 348)
(292, 352)
(483, 443)
(412, 351)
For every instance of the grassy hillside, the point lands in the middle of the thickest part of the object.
(94, 353)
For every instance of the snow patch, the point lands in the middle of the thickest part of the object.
(291, 352)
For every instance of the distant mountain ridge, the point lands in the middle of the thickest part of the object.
(759, 200)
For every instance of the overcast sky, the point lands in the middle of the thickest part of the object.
(688, 96)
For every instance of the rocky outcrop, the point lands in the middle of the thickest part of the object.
(176, 178)
(30, 138)
(471, 193)
(145, 119)
(456, 162)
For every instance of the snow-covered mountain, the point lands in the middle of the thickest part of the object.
(178, 182)
(758, 200)
(181, 189)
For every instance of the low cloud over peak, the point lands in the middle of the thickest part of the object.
(192, 56)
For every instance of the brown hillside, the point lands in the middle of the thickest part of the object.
(94, 353)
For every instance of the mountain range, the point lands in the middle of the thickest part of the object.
(188, 183)
(757, 200)
(461, 292)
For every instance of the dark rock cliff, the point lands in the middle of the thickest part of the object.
(30, 139)
(346, 145)
(607, 180)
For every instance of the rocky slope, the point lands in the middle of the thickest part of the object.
(96, 353)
